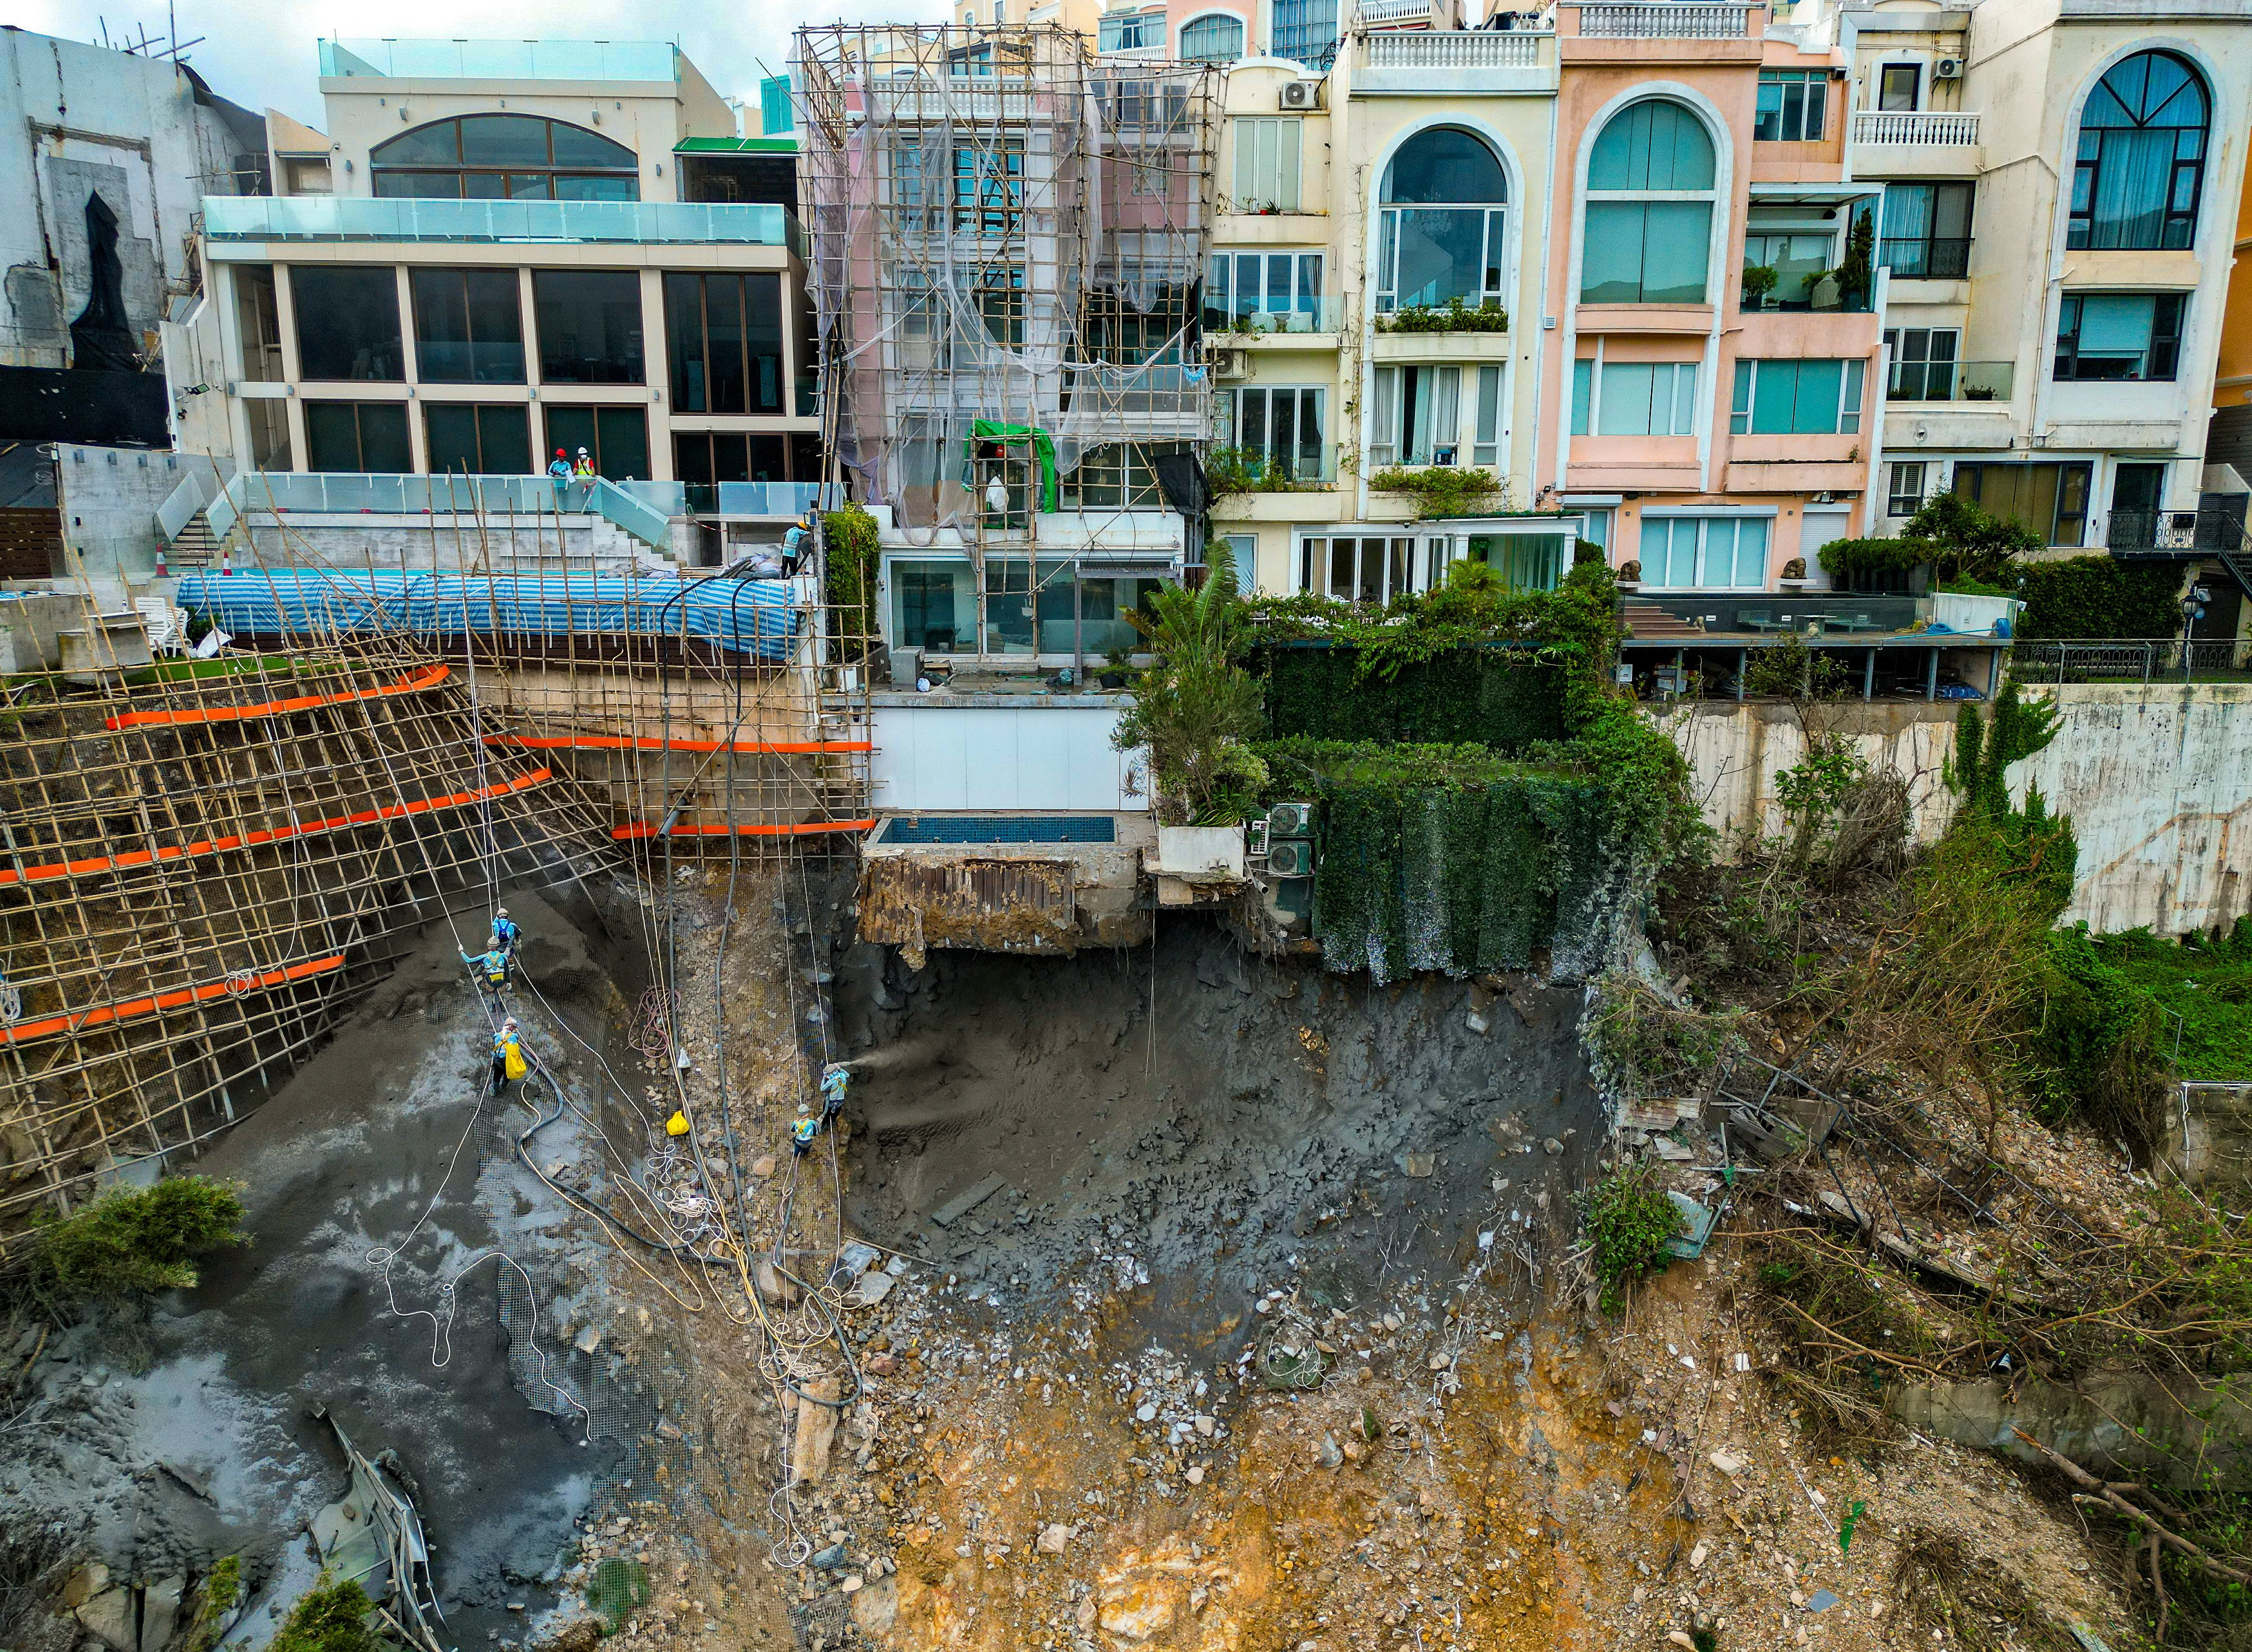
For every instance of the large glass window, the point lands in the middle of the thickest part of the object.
(934, 606)
(1306, 32)
(1791, 105)
(1442, 233)
(469, 326)
(2119, 336)
(724, 336)
(358, 436)
(998, 293)
(1814, 398)
(1708, 552)
(1924, 363)
(2140, 166)
(1118, 475)
(1132, 32)
(1266, 163)
(347, 322)
(269, 417)
(1524, 561)
(1370, 568)
(590, 329)
(1216, 39)
(1634, 399)
(701, 458)
(2052, 499)
(516, 157)
(616, 437)
(989, 187)
(258, 323)
(1797, 249)
(1269, 292)
(1926, 232)
(1280, 426)
(1418, 418)
(478, 439)
(1649, 227)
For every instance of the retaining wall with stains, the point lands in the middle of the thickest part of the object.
(2157, 779)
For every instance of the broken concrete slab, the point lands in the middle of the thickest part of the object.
(959, 1206)
(872, 1288)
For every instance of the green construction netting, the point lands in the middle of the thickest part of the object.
(1043, 451)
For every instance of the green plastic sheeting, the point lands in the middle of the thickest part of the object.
(1043, 450)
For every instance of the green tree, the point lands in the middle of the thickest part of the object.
(1968, 541)
(146, 1240)
(332, 1618)
(1196, 707)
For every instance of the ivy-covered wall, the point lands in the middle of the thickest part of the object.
(2099, 597)
(1500, 698)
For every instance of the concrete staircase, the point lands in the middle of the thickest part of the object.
(1651, 623)
(194, 547)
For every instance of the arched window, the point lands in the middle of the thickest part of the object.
(1441, 235)
(2141, 165)
(518, 157)
(1216, 39)
(1649, 226)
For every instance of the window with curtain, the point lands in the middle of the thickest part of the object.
(1216, 39)
(2119, 336)
(1441, 235)
(1418, 418)
(1926, 231)
(1369, 568)
(1267, 163)
(1281, 424)
(1814, 398)
(1649, 226)
(1634, 399)
(1485, 440)
(1707, 552)
(2052, 499)
(2140, 165)
(1131, 32)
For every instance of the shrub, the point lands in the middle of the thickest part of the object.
(332, 1618)
(127, 1242)
(1453, 316)
(1195, 707)
(1842, 559)
(851, 543)
(215, 1601)
(1441, 490)
(1627, 1220)
(2098, 597)
(616, 1590)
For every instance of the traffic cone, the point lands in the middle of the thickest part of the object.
(226, 561)
(160, 571)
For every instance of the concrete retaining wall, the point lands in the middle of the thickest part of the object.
(2158, 781)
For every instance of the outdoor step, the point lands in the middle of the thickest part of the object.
(1650, 622)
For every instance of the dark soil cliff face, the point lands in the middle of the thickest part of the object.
(1267, 1111)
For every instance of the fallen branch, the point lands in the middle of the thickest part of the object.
(2102, 1495)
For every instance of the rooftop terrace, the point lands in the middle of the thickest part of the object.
(500, 59)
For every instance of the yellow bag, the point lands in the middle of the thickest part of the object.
(512, 1061)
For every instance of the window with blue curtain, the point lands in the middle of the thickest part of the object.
(1217, 39)
(2119, 337)
(1814, 398)
(2140, 165)
(1707, 552)
(1647, 234)
(1443, 234)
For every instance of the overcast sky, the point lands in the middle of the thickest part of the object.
(260, 53)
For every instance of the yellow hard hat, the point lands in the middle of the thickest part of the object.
(676, 1125)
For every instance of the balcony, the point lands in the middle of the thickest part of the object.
(1312, 316)
(1936, 258)
(354, 218)
(2210, 529)
(1916, 129)
(499, 60)
(1439, 61)
(1407, 14)
(1664, 20)
(1951, 381)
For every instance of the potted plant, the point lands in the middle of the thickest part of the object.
(1118, 659)
(1758, 282)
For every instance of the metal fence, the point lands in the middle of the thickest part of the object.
(2102, 660)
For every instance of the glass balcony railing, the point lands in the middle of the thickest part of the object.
(775, 499)
(500, 59)
(1951, 381)
(1816, 292)
(1310, 316)
(1939, 258)
(353, 218)
(1301, 467)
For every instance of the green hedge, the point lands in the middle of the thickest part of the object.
(1490, 697)
(2099, 597)
(1459, 879)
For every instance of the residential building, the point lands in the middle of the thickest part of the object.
(2229, 440)
(2061, 184)
(106, 158)
(496, 250)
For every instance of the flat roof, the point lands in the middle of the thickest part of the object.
(736, 146)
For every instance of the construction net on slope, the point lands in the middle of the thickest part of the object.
(1007, 236)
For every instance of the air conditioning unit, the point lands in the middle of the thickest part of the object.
(1231, 364)
(1301, 94)
(1292, 859)
(1291, 820)
(1947, 69)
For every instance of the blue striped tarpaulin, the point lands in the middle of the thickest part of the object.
(757, 617)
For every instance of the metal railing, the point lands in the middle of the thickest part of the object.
(1951, 381)
(1667, 20)
(1915, 128)
(1454, 49)
(359, 218)
(1926, 258)
(2098, 660)
(2211, 528)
